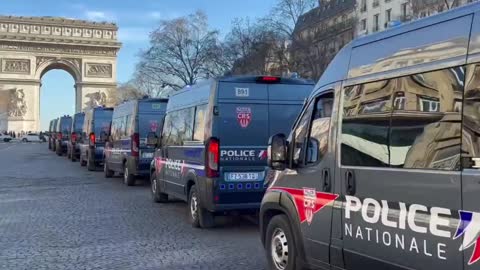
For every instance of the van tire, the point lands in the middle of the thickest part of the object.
(157, 195)
(83, 163)
(278, 230)
(90, 164)
(128, 179)
(106, 170)
(199, 216)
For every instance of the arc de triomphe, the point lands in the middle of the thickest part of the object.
(31, 46)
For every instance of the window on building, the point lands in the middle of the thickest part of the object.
(376, 22)
(388, 15)
(364, 25)
(404, 11)
(363, 6)
(376, 3)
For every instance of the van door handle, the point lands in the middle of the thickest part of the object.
(350, 183)
(327, 183)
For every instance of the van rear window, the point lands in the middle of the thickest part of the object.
(79, 123)
(149, 123)
(102, 121)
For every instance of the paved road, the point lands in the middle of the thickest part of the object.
(55, 214)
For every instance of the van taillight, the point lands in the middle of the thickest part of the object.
(212, 158)
(74, 137)
(92, 138)
(135, 144)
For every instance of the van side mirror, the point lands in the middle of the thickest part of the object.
(152, 139)
(277, 152)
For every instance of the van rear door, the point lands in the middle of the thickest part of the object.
(150, 119)
(242, 125)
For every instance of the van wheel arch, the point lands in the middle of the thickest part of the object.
(288, 209)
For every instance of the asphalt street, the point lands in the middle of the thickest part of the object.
(55, 214)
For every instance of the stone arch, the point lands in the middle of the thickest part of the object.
(45, 64)
(31, 46)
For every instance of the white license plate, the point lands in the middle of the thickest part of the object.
(243, 176)
(147, 155)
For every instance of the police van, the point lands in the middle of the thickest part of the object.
(127, 151)
(64, 125)
(73, 150)
(212, 151)
(381, 169)
(51, 134)
(95, 131)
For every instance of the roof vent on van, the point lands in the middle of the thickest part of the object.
(268, 79)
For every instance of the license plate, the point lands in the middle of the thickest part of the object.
(243, 176)
(147, 155)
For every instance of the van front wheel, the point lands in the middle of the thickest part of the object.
(280, 245)
(199, 216)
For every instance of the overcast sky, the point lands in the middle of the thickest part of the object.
(136, 19)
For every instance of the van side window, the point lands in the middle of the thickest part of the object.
(366, 119)
(128, 125)
(412, 122)
(300, 133)
(319, 129)
(471, 118)
(426, 133)
(199, 129)
(178, 127)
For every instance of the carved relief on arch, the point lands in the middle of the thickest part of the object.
(73, 62)
(17, 106)
(77, 62)
(20, 66)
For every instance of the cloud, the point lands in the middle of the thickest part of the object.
(156, 15)
(95, 15)
(134, 34)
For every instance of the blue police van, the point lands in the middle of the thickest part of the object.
(64, 125)
(127, 151)
(212, 150)
(73, 150)
(95, 131)
(52, 134)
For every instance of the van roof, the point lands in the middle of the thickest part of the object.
(258, 79)
(339, 67)
(200, 92)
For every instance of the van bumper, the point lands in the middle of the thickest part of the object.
(248, 201)
(139, 167)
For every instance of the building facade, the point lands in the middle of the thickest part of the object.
(425, 8)
(320, 34)
(377, 15)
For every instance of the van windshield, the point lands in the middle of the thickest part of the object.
(102, 122)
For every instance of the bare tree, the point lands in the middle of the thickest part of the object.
(285, 15)
(127, 91)
(182, 51)
(421, 5)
